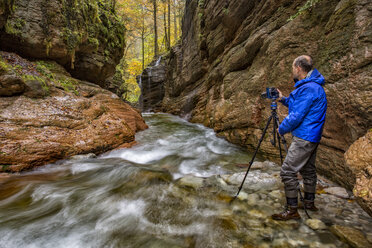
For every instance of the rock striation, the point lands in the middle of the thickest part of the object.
(86, 37)
(46, 115)
(232, 50)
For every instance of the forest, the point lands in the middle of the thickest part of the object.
(152, 28)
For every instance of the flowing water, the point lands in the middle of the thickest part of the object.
(170, 190)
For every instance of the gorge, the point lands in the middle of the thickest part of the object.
(81, 166)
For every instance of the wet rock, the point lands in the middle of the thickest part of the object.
(253, 198)
(352, 236)
(276, 194)
(315, 224)
(243, 196)
(254, 181)
(149, 176)
(83, 156)
(191, 182)
(359, 158)
(337, 191)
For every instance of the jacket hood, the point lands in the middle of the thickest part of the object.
(315, 77)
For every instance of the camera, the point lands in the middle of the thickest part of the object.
(271, 93)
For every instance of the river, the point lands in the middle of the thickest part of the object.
(171, 190)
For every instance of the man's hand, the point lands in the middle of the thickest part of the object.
(280, 94)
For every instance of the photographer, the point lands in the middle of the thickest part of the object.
(307, 106)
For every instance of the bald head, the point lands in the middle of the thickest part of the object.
(304, 62)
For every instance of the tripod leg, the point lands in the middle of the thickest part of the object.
(279, 143)
(281, 136)
(254, 156)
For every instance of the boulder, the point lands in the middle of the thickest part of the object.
(58, 117)
(352, 236)
(359, 158)
(315, 224)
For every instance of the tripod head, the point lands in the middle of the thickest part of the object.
(274, 105)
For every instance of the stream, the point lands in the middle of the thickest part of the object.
(170, 190)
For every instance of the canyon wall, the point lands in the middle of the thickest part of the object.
(232, 50)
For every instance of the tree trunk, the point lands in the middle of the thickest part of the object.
(169, 25)
(156, 28)
(166, 39)
(175, 21)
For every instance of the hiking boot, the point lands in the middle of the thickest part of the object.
(290, 213)
(309, 205)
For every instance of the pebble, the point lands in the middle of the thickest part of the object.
(253, 199)
(83, 156)
(275, 194)
(191, 181)
(315, 224)
(243, 196)
(337, 191)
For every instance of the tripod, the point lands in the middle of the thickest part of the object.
(273, 117)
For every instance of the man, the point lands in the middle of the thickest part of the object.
(307, 106)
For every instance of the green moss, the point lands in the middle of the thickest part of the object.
(43, 81)
(4, 67)
(304, 8)
(93, 22)
(66, 83)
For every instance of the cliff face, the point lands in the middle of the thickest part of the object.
(85, 36)
(232, 50)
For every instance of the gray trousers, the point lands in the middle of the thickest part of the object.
(300, 158)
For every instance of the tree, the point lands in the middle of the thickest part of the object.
(155, 28)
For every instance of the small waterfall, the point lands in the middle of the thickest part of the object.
(140, 100)
(158, 61)
(146, 83)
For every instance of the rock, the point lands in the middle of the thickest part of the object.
(191, 182)
(276, 194)
(352, 236)
(337, 191)
(62, 124)
(243, 196)
(255, 180)
(359, 158)
(315, 224)
(258, 166)
(83, 156)
(225, 61)
(87, 43)
(253, 199)
(36, 89)
(11, 85)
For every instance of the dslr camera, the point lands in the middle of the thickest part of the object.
(271, 93)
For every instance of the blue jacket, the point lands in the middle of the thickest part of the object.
(307, 106)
